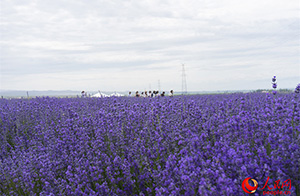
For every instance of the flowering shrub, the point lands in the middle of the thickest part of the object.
(182, 145)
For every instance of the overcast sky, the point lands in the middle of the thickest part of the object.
(118, 45)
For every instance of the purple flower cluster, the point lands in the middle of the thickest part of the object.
(184, 145)
(274, 84)
(297, 89)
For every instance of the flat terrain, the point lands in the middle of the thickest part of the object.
(182, 145)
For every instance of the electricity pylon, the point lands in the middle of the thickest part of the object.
(159, 85)
(184, 85)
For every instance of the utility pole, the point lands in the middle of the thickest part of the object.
(183, 84)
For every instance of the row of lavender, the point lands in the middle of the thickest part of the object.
(182, 145)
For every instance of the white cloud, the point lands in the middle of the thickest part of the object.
(133, 44)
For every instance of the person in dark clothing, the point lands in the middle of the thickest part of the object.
(137, 94)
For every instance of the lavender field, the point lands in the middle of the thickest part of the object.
(181, 145)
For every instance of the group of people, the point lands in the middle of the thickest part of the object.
(150, 94)
(137, 94)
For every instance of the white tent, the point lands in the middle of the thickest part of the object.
(116, 95)
(100, 95)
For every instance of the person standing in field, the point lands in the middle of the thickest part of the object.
(171, 93)
(129, 94)
(157, 94)
(137, 94)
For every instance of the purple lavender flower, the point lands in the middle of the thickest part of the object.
(297, 89)
(274, 85)
(123, 146)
